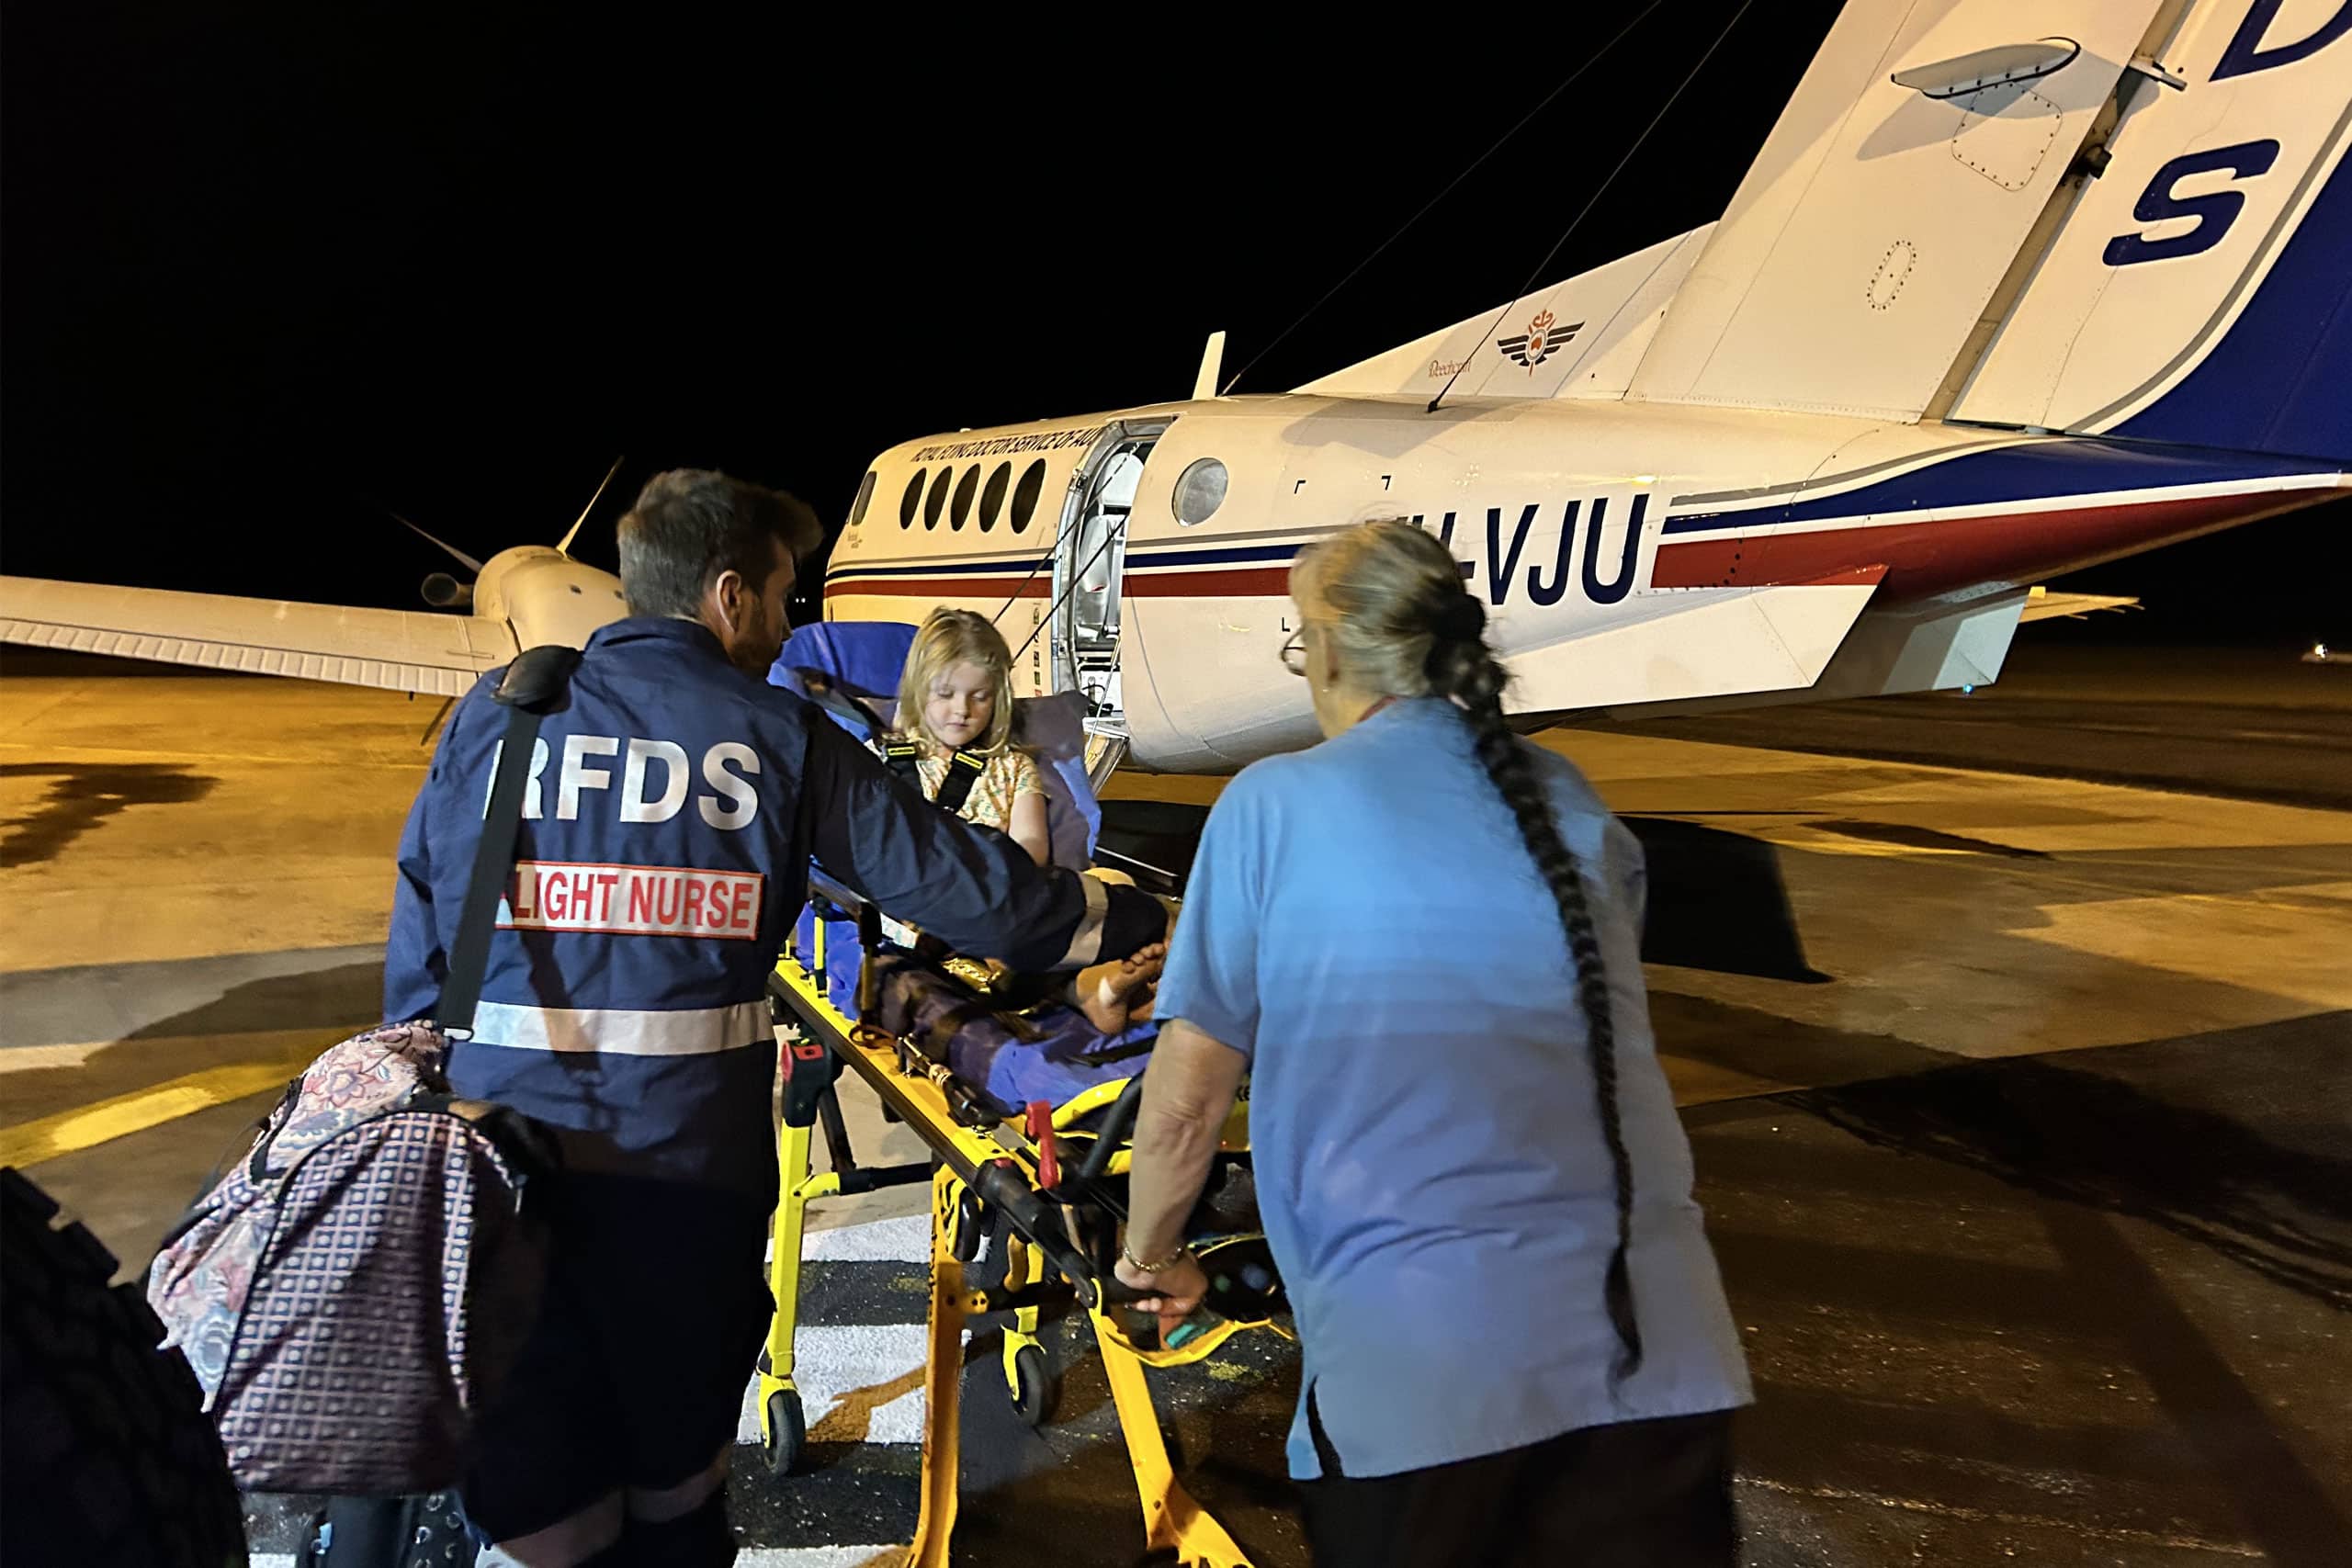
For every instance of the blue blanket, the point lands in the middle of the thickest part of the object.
(1054, 1056)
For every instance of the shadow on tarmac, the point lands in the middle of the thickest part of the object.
(85, 795)
(2084, 1305)
(2059, 1127)
(1717, 900)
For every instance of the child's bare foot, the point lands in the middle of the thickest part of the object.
(1117, 996)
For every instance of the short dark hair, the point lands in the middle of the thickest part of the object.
(689, 525)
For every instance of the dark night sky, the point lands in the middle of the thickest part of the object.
(262, 262)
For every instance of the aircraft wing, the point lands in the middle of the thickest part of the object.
(2040, 604)
(397, 650)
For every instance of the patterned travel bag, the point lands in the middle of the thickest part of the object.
(351, 1295)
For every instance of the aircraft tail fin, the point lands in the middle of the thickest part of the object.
(1926, 151)
(2199, 290)
(2103, 217)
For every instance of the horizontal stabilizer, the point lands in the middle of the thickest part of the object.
(1936, 646)
(2040, 604)
(1714, 643)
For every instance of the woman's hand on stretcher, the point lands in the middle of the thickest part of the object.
(1172, 1295)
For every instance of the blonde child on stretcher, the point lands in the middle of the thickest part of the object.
(955, 697)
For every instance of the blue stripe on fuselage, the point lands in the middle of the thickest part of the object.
(2032, 471)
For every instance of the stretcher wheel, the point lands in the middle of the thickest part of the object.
(1033, 1386)
(966, 1243)
(787, 1432)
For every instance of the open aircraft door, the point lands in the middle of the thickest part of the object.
(1089, 564)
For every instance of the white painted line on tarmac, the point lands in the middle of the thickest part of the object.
(902, 1240)
(859, 1383)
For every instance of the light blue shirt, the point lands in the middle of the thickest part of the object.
(1363, 922)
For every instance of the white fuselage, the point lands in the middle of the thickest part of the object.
(1631, 556)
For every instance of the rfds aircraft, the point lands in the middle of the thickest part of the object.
(2013, 286)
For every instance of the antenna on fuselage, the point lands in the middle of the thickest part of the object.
(1594, 199)
(1211, 359)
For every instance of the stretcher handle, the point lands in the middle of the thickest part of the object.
(1116, 1124)
(1000, 1183)
(1117, 1292)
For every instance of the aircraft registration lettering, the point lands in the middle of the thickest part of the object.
(632, 900)
(1504, 553)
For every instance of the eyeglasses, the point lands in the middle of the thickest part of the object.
(1295, 652)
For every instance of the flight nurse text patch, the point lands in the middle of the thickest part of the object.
(632, 900)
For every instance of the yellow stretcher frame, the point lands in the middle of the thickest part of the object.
(970, 1163)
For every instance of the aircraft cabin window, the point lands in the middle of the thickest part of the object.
(992, 498)
(913, 499)
(865, 496)
(1026, 493)
(965, 488)
(936, 502)
(1200, 491)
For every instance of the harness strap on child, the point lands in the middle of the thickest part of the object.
(964, 770)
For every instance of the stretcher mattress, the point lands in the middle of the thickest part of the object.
(1054, 1055)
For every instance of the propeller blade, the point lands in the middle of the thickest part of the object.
(563, 546)
(470, 564)
(435, 723)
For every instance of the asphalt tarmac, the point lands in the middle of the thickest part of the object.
(2020, 1086)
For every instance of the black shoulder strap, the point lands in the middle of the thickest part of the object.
(534, 683)
(964, 770)
(904, 757)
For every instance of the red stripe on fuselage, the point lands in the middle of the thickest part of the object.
(1920, 558)
(1208, 582)
(1955, 552)
(941, 587)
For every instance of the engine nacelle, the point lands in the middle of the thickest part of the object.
(444, 592)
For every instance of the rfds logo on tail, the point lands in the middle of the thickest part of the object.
(1543, 339)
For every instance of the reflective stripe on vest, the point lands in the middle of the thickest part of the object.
(620, 1032)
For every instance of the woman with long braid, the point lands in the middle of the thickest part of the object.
(1421, 941)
